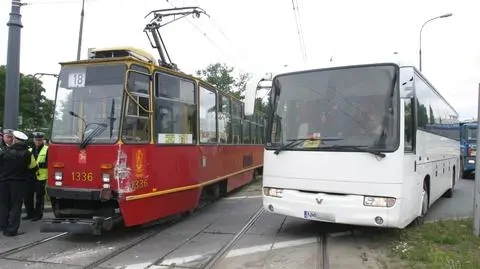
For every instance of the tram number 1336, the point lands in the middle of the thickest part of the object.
(82, 176)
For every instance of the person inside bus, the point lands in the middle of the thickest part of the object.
(16, 165)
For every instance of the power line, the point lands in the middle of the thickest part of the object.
(201, 31)
(58, 2)
(296, 14)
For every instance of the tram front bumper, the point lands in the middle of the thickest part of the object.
(93, 226)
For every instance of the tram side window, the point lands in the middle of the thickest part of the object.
(246, 132)
(208, 116)
(175, 110)
(260, 130)
(236, 123)
(224, 119)
(136, 125)
(253, 133)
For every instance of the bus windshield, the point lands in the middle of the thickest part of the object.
(472, 133)
(88, 103)
(339, 108)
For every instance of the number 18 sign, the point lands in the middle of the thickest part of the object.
(76, 80)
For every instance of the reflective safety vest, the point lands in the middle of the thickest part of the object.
(42, 173)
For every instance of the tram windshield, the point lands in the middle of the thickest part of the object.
(88, 103)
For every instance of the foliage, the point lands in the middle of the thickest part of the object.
(31, 93)
(221, 76)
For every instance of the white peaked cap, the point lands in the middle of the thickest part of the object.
(20, 135)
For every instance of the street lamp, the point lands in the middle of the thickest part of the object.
(421, 29)
(80, 33)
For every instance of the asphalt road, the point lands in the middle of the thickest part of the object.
(231, 233)
(459, 206)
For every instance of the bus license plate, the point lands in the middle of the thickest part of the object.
(318, 216)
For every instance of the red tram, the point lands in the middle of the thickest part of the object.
(134, 141)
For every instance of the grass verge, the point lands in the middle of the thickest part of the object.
(445, 244)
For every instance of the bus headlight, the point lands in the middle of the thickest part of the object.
(273, 192)
(58, 176)
(378, 201)
(106, 178)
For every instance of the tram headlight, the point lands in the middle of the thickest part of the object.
(273, 192)
(106, 178)
(58, 176)
(378, 201)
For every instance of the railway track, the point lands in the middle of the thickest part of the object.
(214, 259)
(151, 230)
(12, 251)
(321, 262)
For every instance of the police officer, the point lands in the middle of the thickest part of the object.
(2, 144)
(7, 138)
(16, 164)
(40, 153)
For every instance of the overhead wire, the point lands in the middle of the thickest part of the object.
(56, 2)
(298, 23)
(202, 32)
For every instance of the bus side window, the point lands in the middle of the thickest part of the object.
(409, 126)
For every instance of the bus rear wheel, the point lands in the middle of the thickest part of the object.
(449, 192)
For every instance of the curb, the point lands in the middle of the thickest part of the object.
(447, 218)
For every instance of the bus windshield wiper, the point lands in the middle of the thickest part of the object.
(358, 148)
(294, 142)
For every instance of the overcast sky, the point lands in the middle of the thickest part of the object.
(261, 36)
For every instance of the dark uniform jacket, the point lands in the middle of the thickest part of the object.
(16, 163)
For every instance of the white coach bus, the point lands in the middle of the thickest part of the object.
(360, 145)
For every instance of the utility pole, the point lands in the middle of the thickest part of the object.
(12, 81)
(476, 192)
(80, 33)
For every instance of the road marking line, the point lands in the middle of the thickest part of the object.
(339, 234)
(267, 247)
(242, 197)
(182, 260)
(241, 251)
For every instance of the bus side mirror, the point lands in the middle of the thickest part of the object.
(251, 92)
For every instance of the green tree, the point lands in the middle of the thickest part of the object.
(220, 75)
(32, 93)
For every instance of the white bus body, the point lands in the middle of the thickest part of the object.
(325, 179)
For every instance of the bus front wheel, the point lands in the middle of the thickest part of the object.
(425, 204)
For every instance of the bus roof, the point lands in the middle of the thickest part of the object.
(469, 123)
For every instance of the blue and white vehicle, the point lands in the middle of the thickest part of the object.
(355, 145)
(468, 147)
